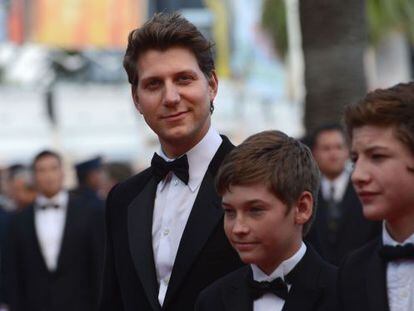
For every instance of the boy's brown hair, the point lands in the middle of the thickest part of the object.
(385, 107)
(163, 31)
(280, 162)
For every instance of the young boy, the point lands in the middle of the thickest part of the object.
(380, 275)
(268, 184)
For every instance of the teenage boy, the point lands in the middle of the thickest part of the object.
(165, 237)
(380, 275)
(268, 184)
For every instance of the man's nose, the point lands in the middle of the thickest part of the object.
(171, 94)
(240, 226)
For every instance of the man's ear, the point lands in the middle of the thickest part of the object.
(213, 85)
(304, 208)
(135, 98)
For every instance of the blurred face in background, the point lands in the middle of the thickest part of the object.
(21, 191)
(331, 153)
(48, 174)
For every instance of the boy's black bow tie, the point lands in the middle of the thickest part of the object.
(161, 168)
(277, 287)
(390, 253)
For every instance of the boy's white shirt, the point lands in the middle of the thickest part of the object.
(270, 301)
(400, 277)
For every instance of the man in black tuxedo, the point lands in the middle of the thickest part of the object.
(268, 183)
(54, 258)
(380, 275)
(340, 226)
(165, 238)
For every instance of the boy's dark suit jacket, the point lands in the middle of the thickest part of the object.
(204, 254)
(354, 229)
(75, 283)
(313, 288)
(362, 284)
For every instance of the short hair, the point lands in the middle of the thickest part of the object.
(43, 154)
(313, 138)
(282, 163)
(393, 106)
(163, 31)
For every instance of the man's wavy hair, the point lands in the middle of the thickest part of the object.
(163, 31)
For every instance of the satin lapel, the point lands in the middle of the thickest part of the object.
(305, 291)
(34, 240)
(140, 213)
(72, 215)
(376, 283)
(204, 217)
(237, 296)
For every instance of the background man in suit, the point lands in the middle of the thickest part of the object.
(165, 238)
(56, 246)
(340, 226)
(268, 184)
(380, 275)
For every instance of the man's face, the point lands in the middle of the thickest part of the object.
(21, 193)
(331, 153)
(48, 175)
(174, 97)
(258, 226)
(381, 178)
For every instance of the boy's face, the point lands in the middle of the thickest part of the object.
(258, 226)
(174, 96)
(381, 178)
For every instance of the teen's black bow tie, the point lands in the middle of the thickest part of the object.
(390, 253)
(161, 168)
(277, 287)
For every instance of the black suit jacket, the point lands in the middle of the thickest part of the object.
(353, 232)
(362, 280)
(75, 283)
(313, 288)
(204, 254)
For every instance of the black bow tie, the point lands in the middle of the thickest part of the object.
(161, 168)
(277, 287)
(49, 206)
(390, 253)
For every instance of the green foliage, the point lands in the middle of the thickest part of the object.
(384, 16)
(274, 22)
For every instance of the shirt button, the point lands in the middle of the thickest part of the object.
(166, 232)
(175, 181)
(167, 280)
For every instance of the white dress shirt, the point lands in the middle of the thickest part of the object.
(173, 203)
(400, 277)
(270, 301)
(50, 225)
(340, 183)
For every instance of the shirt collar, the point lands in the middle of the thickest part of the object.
(388, 240)
(61, 199)
(339, 183)
(199, 157)
(282, 270)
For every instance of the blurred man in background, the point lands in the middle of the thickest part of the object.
(53, 260)
(339, 225)
(91, 181)
(20, 186)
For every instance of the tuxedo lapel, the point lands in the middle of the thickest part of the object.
(140, 213)
(236, 296)
(34, 239)
(376, 282)
(305, 291)
(204, 217)
(69, 230)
